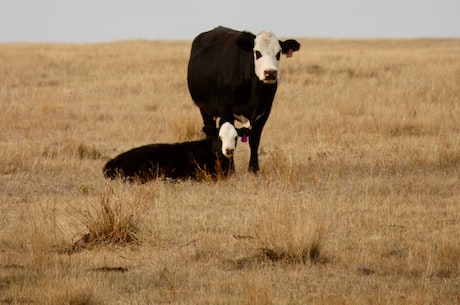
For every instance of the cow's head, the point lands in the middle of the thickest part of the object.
(267, 50)
(229, 137)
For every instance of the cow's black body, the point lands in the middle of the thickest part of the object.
(222, 82)
(195, 160)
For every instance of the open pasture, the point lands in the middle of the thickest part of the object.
(357, 200)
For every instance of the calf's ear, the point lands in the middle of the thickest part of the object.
(210, 131)
(289, 46)
(245, 41)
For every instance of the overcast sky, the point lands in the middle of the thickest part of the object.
(108, 20)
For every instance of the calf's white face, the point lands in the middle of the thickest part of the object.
(267, 53)
(229, 137)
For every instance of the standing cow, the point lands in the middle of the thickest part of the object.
(233, 75)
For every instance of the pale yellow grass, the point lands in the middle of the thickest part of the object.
(357, 201)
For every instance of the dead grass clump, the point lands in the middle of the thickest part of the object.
(290, 232)
(116, 221)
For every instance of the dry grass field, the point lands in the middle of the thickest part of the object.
(357, 201)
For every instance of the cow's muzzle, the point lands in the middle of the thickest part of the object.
(270, 76)
(229, 152)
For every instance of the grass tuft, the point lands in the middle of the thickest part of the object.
(290, 233)
(116, 221)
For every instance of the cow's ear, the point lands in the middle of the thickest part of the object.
(245, 41)
(289, 46)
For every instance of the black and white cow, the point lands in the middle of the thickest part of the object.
(196, 159)
(233, 75)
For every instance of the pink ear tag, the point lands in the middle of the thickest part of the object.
(244, 138)
(289, 53)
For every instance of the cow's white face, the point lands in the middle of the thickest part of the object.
(229, 137)
(267, 53)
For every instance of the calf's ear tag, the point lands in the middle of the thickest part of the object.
(289, 53)
(244, 138)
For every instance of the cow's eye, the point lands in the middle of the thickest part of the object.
(278, 55)
(258, 55)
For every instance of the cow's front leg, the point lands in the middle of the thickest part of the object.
(209, 122)
(254, 141)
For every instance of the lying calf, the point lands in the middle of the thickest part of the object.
(197, 159)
